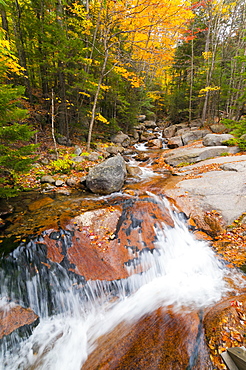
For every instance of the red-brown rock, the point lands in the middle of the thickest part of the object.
(161, 340)
(15, 317)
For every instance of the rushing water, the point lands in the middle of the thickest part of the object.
(181, 271)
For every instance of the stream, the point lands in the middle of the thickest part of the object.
(80, 319)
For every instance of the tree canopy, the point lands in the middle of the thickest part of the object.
(91, 64)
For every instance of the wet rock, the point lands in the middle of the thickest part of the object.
(155, 143)
(105, 242)
(47, 179)
(40, 203)
(216, 139)
(59, 183)
(13, 317)
(47, 187)
(108, 176)
(133, 170)
(160, 340)
(143, 157)
(121, 138)
(135, 134)
(193, 135)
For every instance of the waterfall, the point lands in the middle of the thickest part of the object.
(74, 313)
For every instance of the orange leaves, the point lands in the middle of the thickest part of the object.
(231, 245)
(229, 332)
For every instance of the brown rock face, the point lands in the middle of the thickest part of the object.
(14, 318)
(161, 340)
(105, 241)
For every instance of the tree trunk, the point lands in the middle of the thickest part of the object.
(93, 114)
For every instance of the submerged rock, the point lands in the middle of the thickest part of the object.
(108, 176)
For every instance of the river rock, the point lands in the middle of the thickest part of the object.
(59, 183)
(108, 176)
(47, 179)
(192, 155)
(216, 139)
(133, 170)
(169, 131)
(13, 317)
(196, 123)
(141, 118)
(143, 157)
(193, 135)
(155, 143)
(72, 181)
(218, 128)
(150, 124)
(224, 191)
(175, 142)
(115, 149)
(162, 340)
(121, 138)
(234, 166)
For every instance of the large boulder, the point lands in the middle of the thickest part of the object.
(216, 139)
(121, 138)
(175, 142)
(169, 131)
(155, 143)
(193, 155)
(193, 135)
(108, 176)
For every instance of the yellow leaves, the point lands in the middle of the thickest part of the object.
(207, 55)
(105, 87)
(84, 93)
(208, 89)
(134, 80)
(102, 119)
(8, 61)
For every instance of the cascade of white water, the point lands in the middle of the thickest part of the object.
(181, 271)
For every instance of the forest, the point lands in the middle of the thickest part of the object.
(91, 67)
